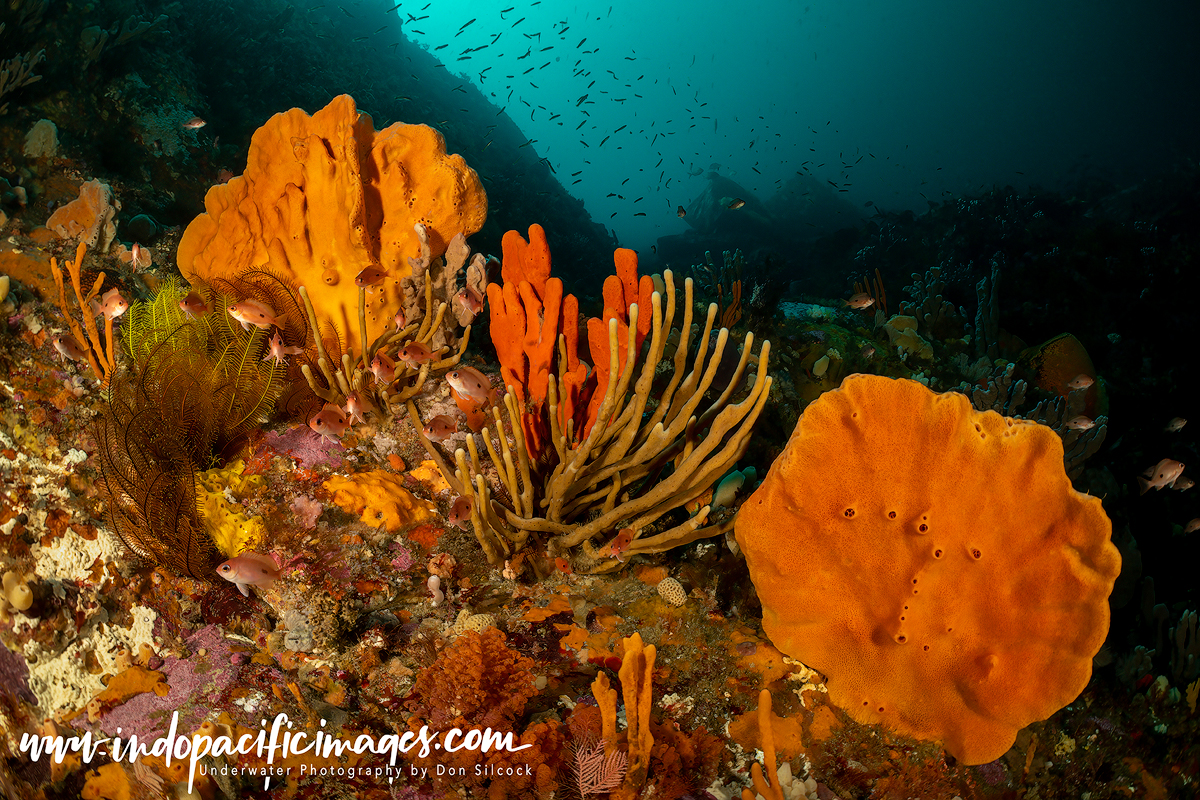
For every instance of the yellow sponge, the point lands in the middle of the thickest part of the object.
(231, 530)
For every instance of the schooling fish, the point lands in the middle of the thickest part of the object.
(681, 212)
(276, 349)
(69, 347)
(737, 203)
(330, 422)
(439, 428)
(415, 353)
(1192, 526)
(470, 384)
(1164, 473)
(140, 257)
(194, 123)
(1183, 483)
(469, 299)
(354, 407)
(860, 301)
(369, 276)
(1081, 423)
(1175, 425)
(249, 569)
(112, 304)
(193, 305)
(383, 368)
(252, 312)
(1081, 381)
(460, 513)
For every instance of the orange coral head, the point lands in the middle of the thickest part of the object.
(327, 196)
(526, 261)
(933, 561)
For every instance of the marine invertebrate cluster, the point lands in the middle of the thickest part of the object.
(194, 387)
(949, 580)
(639, 452)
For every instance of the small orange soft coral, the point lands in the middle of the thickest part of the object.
(933, 561)
(327, 196)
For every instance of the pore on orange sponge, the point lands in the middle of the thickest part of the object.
(933, 561)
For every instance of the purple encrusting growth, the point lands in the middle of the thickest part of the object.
(303, 445)
(14, 674)
(401, 557)
(198, 684)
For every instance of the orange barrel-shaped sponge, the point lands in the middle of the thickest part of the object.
(933, 561)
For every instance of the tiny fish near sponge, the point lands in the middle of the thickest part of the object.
(933, 561)
(327, 196)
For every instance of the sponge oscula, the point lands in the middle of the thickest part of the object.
(933, 561)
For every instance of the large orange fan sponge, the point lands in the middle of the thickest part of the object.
(326, 196)
(933, 561)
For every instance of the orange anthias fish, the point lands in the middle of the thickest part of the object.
(563, 565)
(193, 305)
(249, 569)
(460, 513)
(354, 407)
(1192, 526)
(440, 427)
(111, 304)
(252, 312)
(194, 124)
(469, 299)
(277, 350)
(330, 422)
(415, 353)
(860, 301)
(1175, 425)
(383, 368)
(620, 543)
(1183, 483)
(369, 276)
(1081, 381)
(1164, 473)
(400, 319)
(69, 347)
(140, 257)
(1081, 423)
(471, 385)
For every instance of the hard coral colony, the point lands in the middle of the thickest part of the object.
(287, 482)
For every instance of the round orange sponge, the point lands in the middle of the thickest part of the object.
(933, 561)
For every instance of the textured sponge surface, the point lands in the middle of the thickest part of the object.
(933, 561)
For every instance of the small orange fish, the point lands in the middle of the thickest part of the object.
(563, 565)
(1081, 423)
(415, 353)
(249, 569)
(224, 175)
(330, 422)
(140, 257)
(681, 212)
(193, 124)
(252, 312)
(860, 301)
(471, 384)
(113, 305)
(383, 368)
(354, 407)
(620, 543)
(469, 299)
(277, 350)
(460, 513)
(868, 350)
(369, 276)
(69, 347)
(1164, 473)
(193, 305)
(1192, 526)
(1081, 381)
(1183, 483)
(440, 427)
(400, 319)
(737, 203)
(1175, 425)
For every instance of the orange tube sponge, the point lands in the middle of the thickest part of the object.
(323, 198)
(933, 561)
